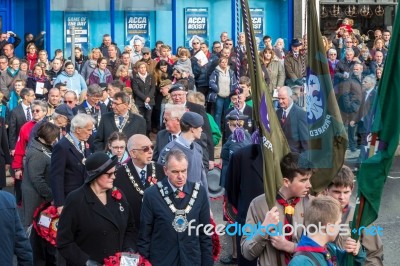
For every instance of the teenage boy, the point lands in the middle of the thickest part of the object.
(316, 248)
(340, 189)
(291, 202)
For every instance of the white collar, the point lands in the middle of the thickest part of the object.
(138, 170)
(288, 109)
(173, 187)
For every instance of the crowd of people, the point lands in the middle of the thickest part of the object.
(119, 144)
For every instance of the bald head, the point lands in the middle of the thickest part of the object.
(137, 141)
(140, 149)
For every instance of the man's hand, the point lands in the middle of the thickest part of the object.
(18, 174)
(12, 152)
(352, 123)
(60, 209)
(280, 243)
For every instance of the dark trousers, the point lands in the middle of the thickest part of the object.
(44, 254)
(351, 131)
(146, 113)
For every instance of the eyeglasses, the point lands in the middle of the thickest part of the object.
(70, 102)
(195, 43)
(332, 54)
(118, 147)
(36, 110)
(109, 175)
(217, 47)
(145, 148)
(146, 53)
(229, 44)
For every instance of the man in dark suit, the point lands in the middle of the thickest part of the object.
(165, 204)
(244, 182)
(178, 96)
(93, 107)
(366, 113)
(67, 171)
(109, 92)
(121, 120)
(19, 116)
(238, 102)
(293, 121)
(140, 173)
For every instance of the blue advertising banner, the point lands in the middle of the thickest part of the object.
(196, 25)
(81, 23)
(257, 17)
(137, 26)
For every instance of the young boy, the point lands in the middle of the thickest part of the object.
(340, 189)
(315, 248)
(291, 202)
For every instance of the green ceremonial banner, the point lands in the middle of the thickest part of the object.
(386, 127)
(274, 144)
(327, 135)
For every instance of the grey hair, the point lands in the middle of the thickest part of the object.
(349, 50)
(73, 93)
(289, 91)
(42, 105)
(94, 90)
(279, 39)
(176, 110)
(332, 51)
(371, 78)
(81, 121)
(177, 154)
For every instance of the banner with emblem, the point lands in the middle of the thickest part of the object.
(258, 19)
(196, 24)
(328, 138)
(137, 26)
(273, 141)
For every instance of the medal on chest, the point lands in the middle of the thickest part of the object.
(180, 222)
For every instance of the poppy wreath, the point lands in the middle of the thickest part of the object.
(50, 233)
(116, 260)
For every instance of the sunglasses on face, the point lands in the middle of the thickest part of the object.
(195, 43)
(36, 110)
(70, 102)
(145, 149)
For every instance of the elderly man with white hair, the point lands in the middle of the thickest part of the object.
(67, 171)
(136, 54)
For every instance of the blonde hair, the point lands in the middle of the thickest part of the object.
(324, 210)
(183, 52)
(196, 97)
(120, 69)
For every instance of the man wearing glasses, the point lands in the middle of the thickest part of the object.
(146, 57)
(121, 119)
(3, 63)
(138, 174)
(136, 54)
(195, 46)
(216, 48)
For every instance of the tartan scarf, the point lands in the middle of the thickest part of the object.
(289, 211)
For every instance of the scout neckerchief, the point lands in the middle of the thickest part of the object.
(289, 211)
(152, 180)
(81, 150)
(306, 244)
(180, 222)
(122, 125)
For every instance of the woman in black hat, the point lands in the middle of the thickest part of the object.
(96, 221)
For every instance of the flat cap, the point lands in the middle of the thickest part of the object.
(177, 87)
(236, 115)
(236, 92)
(103, 86)
(145, 50)
(296, 43)
(64, 110)
(192, 119)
